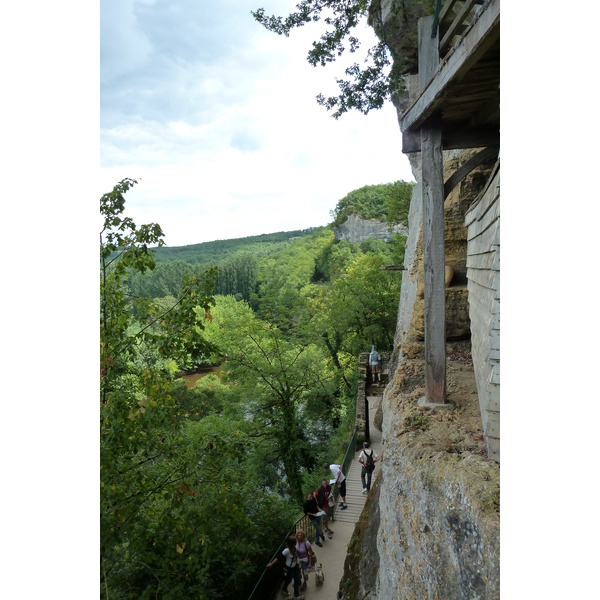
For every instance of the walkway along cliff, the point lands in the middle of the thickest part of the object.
(434, 529)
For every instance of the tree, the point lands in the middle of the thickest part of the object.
(139, 459)
(238, 275)
(381, 78)
(164, 280)
(368, 87)
(387, 202)
(283, 277)
(280, 379)
(356, 308)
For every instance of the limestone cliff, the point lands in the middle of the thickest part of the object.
(355, 230)
(438, 493)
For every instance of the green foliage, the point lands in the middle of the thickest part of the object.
(281, 381)
(213, 253)
(164, 280)
(238, 275)
(381, 77)
(368, 88)
(358, 308)
(178, 516)
(198, 485)
(284, 276)
(417, 421)
(208, 396)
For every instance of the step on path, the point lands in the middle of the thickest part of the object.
(333, 553)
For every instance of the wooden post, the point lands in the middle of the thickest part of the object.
(432, 182)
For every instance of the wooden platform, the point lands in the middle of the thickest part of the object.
(355, 499)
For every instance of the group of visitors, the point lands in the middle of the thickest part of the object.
(298, 554)
(299, 558)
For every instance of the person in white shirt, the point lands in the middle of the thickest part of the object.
(291, 569)
(368, 466)
(340, 480)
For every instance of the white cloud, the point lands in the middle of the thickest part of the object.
(220, 122)
(124, 46)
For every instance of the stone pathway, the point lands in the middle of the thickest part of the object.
(333, 554)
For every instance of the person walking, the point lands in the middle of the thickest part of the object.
(291, 568)
(312, 510)
(340, 480)
(374, 358)
(321, 495)
(305, 555)
(367, 459)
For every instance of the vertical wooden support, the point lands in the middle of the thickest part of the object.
(432, 182)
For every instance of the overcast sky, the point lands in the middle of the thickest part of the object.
(217, 117)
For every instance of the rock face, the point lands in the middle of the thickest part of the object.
(439, 498)
(355, 230)
(438, 503)
(411, 327)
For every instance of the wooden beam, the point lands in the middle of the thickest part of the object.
(429, 56)
(393, 268)
(457, 139)
(483, 34)
(445, 12)
(455, 27)
(411, 142)
(432, 183)
(487, 154)
(434, 261)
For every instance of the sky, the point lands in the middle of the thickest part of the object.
(64, 143)
(217, 118)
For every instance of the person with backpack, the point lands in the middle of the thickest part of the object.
(367, 459)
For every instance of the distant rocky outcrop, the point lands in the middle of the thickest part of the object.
(356, 230)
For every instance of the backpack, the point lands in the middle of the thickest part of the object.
(370, 464)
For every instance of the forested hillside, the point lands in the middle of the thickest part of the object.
(198, 485)
(210, 252)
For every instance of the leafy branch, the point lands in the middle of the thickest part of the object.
(367, 87)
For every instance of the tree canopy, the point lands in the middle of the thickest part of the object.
(387, 202)
(199, 484)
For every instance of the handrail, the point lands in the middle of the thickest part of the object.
(271, 579)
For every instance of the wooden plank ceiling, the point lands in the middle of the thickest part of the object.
(464, 90)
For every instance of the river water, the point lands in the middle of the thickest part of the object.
(193, 377)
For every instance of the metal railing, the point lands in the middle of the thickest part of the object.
(270, 581)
